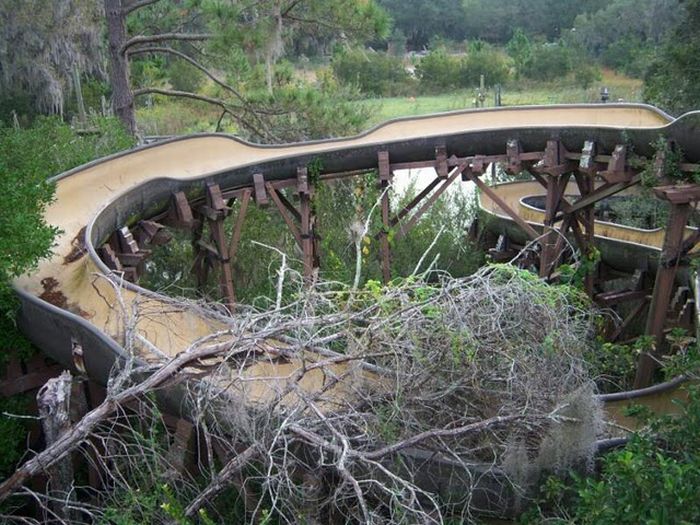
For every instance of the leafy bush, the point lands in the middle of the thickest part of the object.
(548, 62)
(13, 433)
(654, 479)
(483, 60)
(28, 157)
(373, 73)
(440, 70)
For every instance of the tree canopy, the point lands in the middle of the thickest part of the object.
(42, 44)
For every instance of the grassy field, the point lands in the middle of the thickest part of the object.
(172, 117)
(620, 87)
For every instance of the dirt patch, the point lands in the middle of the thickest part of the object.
(56, 297)
(78, 247)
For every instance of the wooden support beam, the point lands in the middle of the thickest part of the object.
(306, 223)
(554, 162)
(529, 230)
(514, 164)
(200, 266)
(620, 296)
(180, 214)
(617, 167)
(663, 287)
(627, 320)
(607, 190)
(441, 161)
(180, 455)
(584, 180)
(238, 226)
(290, 207)
(275, 196)
(226, 277)
(415, 201)
(260, 187)
(152, 233)
(385, 176)
(110, 258)
(679, 193)
(406, 227)
(216, 202)
(549, 238)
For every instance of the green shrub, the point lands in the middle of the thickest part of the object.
(439, 70)
(13, 433)
(483, 60)
(373, 73)
(28, 157)
(654, 479)
(548, 62)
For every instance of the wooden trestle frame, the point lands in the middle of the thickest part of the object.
(554, 168)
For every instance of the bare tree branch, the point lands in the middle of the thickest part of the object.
(164, 37)
(183, 56)
(232, 110)
(137, 4)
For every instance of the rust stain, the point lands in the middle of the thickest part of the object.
(78, 247)
(56, 297)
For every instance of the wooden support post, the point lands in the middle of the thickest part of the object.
(441, 161)
(617, 170)
(663, 287)
(385, 175)
(260, 193)
(587, 169)
(216, 203)
(549, 237)
(180, 454)
(180, 213)
(513, 152)
(555, 165)
(306, 221)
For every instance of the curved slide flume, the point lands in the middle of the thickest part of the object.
(68, 301)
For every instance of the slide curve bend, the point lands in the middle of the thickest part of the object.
(73, 299)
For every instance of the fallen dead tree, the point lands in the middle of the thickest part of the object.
(373, 405)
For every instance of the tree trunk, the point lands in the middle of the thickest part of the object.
(122, 97)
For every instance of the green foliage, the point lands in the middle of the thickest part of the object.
(548, 62)
(28, 157)
(13, 433)
(519, 48)
(624, 34)
(373, 73)
(585, 75)
(654, 479)
(440, 70)
(421, 21)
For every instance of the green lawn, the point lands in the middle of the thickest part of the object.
(178, 117)
(626, 89)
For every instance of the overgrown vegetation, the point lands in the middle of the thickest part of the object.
(28, 157)
(412, 370)
(663, 460)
